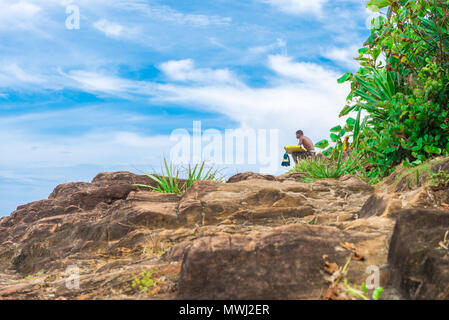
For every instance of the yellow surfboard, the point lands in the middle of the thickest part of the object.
(291, 149)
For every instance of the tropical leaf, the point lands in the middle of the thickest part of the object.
(323, 144)
(347, 76)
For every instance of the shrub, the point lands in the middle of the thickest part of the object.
(405, 95)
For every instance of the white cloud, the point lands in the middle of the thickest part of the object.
(114, 148)
(24, 146)
(343, 56)
(109, 28)
(301, 95)
(279, 44)
(17, 15)
(12, 73)
(310, 74)
(165, 13)
(184, 70)
(104, 83)
(298, 6)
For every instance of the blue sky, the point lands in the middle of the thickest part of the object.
(106, 96)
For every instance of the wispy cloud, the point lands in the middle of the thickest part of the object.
(167, 13)
(14, 73)
(184, 70)
(109, 28)
(343, 56)
(18, 15)
(294, 99)
(298, 6)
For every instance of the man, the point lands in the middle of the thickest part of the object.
(307, 144)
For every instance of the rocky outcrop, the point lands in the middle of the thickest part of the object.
(256, 236)
(419, 254)
(284, 263)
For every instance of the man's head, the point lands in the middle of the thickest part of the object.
(299, 134)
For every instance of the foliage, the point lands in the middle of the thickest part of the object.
(145, 281)
(199, 173)
(170, 182)
(402, 87)
(321, 168)
(167, 182)
(439, 180)
(363, 292)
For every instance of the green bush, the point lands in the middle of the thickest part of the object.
(401, 86)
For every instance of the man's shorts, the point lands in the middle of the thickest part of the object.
(303, 155)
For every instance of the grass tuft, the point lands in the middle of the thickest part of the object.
(322, 168)
(169, 180)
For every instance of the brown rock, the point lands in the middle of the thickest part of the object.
(283, 264)
(420, 265)
(250, 176)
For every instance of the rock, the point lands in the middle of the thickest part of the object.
(420, 265)
(285, 263)
(291, 177)
(260, 201)
(374, 206)
(441, 166)
(250, 176)
(257, 237)
(385, 205)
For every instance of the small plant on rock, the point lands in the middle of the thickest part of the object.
(145, 281)
(363, 292)
(439, 180)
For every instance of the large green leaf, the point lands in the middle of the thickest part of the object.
(350, 121)
(323, 144)
(347, 76)
(334, 137)
(336, 129)
(432, 149)
(375, 5)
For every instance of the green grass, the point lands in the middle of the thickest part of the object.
(439, 180)
(322, 168)
(414, 175)
(169, 181)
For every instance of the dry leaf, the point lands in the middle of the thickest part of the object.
(330, 268)
(348, 246)
(445, 243)
(332, 294)
(357, 257)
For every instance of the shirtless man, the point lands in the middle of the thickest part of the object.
(307, 144)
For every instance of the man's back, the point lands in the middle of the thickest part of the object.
(307, 143)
